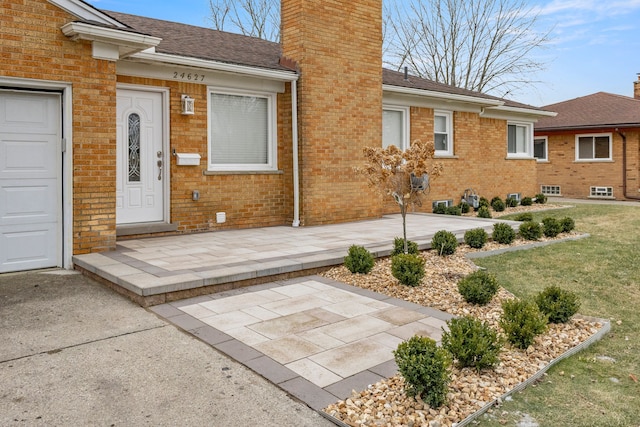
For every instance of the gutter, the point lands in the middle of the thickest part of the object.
(296, 168)
(624, 167)
(482, 102)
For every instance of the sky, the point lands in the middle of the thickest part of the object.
(594, 44)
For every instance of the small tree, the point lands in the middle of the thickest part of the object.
(404, 175)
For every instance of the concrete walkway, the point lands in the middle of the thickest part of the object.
(157, 270)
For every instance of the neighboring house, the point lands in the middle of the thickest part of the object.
(113, 126)
(591, 148)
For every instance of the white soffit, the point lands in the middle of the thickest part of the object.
(85, 12)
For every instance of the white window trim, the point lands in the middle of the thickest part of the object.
(406, 124)
(449, 117)
(528, 154)
(593, 135)
(546, 149)
(272, 133)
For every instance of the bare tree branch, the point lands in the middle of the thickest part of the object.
(255, 18)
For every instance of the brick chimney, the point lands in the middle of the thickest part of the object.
(636, 88)
(337, 45)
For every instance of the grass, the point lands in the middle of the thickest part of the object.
(604, 270)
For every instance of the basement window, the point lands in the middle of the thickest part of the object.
(606, 192)
(550, 190)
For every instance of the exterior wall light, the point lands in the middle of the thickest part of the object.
(188, 105)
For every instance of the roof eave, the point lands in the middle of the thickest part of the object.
(86, 12)
(155, 57)
(587, 127)
(451, 97)
(127, 42)
(526, 111)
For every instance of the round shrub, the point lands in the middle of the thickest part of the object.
(408, 269)
(439, 209)
(568, 224)
(484, 212)
(527, 201)
(541, 198)
(464, 207)
(498, 204)
(530, 230)
(476, 238)
(511, 202)
(454, 210)
(483, 201)
(524, 216)
(503, 233)
(425, 369)
(444, 242)
(398, 247)
(558, 304)
(551, 227)
(521, 322)
(478, 287)
(359, 260)
(472, 343)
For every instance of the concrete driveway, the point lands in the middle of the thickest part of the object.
(74, 353)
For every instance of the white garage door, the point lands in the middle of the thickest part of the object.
(30, 182)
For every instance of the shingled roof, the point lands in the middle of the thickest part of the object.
(597, 110)
(205, 43)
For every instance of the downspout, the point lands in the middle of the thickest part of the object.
(294, 137)
(624, 167)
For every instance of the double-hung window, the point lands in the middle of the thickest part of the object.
(519, 138)
(395, 127)
(596, 147)
(242, 131)
(442, 133)
(540, 147)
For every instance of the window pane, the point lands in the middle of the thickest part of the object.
(539, 149)
(440, 142)
(585, 147)
(521, 139)
(602, 147)
(440, 124)
(511, 138)
(239, 129)
(392, 128)
(134, 147)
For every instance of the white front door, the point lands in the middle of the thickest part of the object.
(140, 157)
(30, 181)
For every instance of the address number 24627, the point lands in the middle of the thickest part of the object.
(192, 77)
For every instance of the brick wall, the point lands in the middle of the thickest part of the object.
(337, 45)
(32, 46)
(576, 178)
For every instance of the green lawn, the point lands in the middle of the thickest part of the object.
(604, 270)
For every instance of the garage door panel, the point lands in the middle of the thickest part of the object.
(28, 203)
(30, 181)
(26, 247)
(28, 157)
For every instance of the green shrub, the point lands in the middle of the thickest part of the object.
(408, 269)
(503, 233)
(425, 369)
(483, 201)
(568, 224)
(558, 304)
(551, 227)
(527, 201)
(524, 216)
(530, 230)
(440, 209)
(511, 202)
(464, 207)
(541, 198)
(476, 238)
(484, 212)
(359, 260)
(478, 287)
(398, 247)
(472, 343)
(498, 204)
(444, 242)
(521, 322)
(454, 210)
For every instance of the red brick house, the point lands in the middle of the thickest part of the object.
(114, 125)
(591, 149)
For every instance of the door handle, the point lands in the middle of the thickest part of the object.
(159, 155)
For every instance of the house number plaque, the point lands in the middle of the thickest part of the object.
(191, 77)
